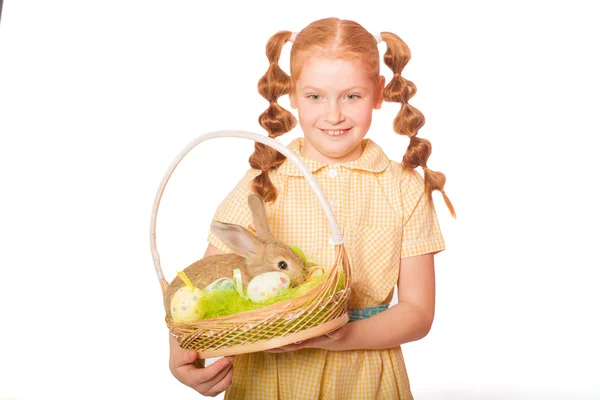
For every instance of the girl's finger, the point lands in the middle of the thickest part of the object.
(206, 387)
(198, 376)
(230, 358)
(221, 385)
(275, 350)
(179, 356)
(335, 335)
(289, 347)
(297, 346)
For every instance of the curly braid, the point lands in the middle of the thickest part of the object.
(409, 119)
(275, 119)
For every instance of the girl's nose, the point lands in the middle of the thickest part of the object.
(333, 114)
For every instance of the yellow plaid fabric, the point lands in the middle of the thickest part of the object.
(384, 216)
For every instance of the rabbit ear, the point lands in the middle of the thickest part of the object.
(238, 238)
(259, 217)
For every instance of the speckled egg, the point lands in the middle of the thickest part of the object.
(185, 305)
(267, 286)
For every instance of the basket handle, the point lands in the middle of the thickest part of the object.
(336, 238)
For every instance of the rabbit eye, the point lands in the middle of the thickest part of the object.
(282, 265)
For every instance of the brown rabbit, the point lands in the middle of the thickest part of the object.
(253, 254)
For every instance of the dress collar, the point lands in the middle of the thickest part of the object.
(373, 159)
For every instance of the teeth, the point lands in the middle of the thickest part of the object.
(335, 133)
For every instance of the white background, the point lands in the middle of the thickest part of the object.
(97, 99)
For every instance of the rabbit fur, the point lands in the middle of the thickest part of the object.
(253, 254)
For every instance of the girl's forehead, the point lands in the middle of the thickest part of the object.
(325, 71)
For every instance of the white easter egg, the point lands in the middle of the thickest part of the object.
(266, 286)
(185, 305)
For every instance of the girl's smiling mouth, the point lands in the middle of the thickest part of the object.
(335, 132)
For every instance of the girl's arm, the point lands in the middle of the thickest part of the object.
(211, 251)
(408, 321)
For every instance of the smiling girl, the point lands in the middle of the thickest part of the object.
(383, 207)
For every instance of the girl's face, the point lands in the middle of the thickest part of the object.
(335, 101)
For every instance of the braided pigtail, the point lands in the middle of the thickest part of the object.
(275, 120)
(409, 119)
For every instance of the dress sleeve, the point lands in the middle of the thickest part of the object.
(234, 209)
(421, 233)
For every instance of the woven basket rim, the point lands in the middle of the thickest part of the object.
(277, 305)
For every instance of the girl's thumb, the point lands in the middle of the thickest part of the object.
(190, 356)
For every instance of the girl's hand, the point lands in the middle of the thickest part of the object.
(189, 370)
(329, 341)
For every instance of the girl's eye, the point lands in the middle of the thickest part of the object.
(352, 96)
(314, 96)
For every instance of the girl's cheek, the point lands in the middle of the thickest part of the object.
(312, 110)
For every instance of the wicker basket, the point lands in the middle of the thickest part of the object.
(314, 313)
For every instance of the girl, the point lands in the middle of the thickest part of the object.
(383, 207)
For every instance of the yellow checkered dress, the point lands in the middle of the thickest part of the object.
(384, 216)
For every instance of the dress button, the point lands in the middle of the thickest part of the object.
(332, 173)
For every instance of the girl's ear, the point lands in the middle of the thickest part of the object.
(380, 87)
